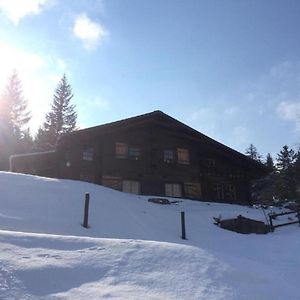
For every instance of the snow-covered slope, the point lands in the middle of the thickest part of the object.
(133, 248)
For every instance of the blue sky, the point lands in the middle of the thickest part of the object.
(230, 69)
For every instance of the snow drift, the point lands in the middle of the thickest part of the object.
(133, 248)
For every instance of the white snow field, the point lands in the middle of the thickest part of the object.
(133, 248)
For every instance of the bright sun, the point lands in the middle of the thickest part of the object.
(37, 74)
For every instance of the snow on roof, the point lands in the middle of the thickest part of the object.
(33, 153)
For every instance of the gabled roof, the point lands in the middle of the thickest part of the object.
(121, 123)
(160, 116)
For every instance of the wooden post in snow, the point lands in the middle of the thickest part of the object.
(86, 210)
(271, 222)
(183, 236)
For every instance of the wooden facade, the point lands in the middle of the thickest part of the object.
(152, 154)
(40, 163)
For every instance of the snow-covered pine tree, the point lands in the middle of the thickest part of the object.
(253, 153)
(61, 119)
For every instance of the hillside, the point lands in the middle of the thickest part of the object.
(133, 248)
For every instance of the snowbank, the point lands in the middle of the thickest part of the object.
(133, 248)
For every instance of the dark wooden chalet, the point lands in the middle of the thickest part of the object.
(151, 154)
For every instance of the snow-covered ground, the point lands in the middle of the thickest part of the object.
(133, 248)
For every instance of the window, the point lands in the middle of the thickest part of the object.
(121, 150)
(125, 151)
(173, 190)
(111, 182)
(134, 152)
(211, 169)
(230, 173)
(219, 191)
(131, 186)
(225, 191)
(230, 192)
(168, 156)
(210, 162)
(88, 154)
(192, 189)
(183, 156)
(239, 174)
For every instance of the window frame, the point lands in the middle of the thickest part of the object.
(133, 186)
(167, 157)
(123, 154)
(210, 162)
(220, 191)
(88, 153)
(125, 151)
(183, 156)
(134, 152)
(171, 186)
(191, 187)
(230, 191)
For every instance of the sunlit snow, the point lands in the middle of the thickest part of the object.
(133, 248)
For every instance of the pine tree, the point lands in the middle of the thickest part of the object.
(285, 159)
(253, 153)
(286, 182)
(15, 106)
(296, 174)
(14, 118)
(296, 166)
(41, 140)
(61, 119)
(270, 163)
(26, 142)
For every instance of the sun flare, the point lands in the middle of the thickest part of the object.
(38, 74)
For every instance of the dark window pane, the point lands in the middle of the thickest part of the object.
(168, 156)
(88, 154)
(134, 152)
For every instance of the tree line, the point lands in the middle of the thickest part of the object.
(283, 179)
(15, 137)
